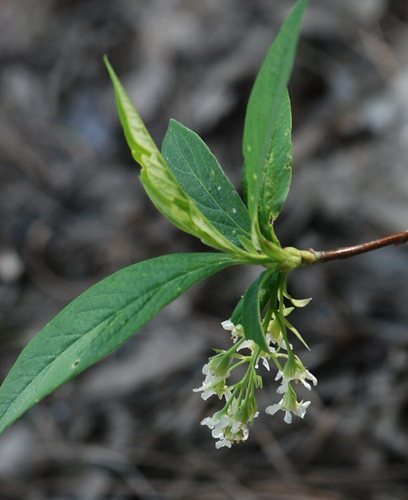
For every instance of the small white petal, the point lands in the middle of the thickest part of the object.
(311, 377)
(301, 410)
(272, 409)
(266, 364)
(228, 325)
(279, 375)
(227, 394)
(217, 433)
(235, 426)
(245, 434)
(288, 417)
(207, 394)
(247, 344)
(222, 443)
(283, 388)
(208, 421)
(306, 384)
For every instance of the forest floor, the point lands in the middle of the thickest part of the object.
(72, 210)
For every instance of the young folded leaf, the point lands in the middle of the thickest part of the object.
(269, 289)
(159, 182)
(252, 304)
(97, 323)
(264, 141)
(202, 178)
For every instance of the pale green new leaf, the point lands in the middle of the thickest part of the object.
(266, 104)
(202, 178)
(98, 322)
(160, 184)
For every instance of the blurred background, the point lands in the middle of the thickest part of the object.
(72, 211)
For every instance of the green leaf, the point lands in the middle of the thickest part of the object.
(296, 332)
(277, 169)
(202, 178)
(140, 142)
(158, 180)
(266, 107)
(236, 316)
(269, 289)
(254, 301)
(98, 322)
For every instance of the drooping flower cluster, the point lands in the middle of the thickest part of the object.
(230, 424)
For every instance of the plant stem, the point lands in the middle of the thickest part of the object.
(346, 252)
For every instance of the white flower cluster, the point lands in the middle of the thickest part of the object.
(230, 424)
(213, 384)
(227, 427)
(294, 371)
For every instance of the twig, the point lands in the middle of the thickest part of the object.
(346, 252)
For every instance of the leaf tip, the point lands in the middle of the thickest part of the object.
(107, 63)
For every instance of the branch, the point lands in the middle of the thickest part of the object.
(346, 252)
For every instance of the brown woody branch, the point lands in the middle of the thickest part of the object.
(346, 252)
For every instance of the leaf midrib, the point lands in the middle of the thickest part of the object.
(235, 223)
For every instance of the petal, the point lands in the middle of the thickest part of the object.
(222, 443)
(235, 426)
(306, 384)
(217, 433)
(228, 325)
(283, 388)
(208, 421)
(247, 344)
(288, 417)
(207, 394)
(311, 377)
(301, 410)
(272, 409)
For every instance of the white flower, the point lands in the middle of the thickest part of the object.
(289, 407)
(294, 370)
(213, 383)
(247, 344)
(274, 331)
(228, 325)
(236, 330)
(226, 428)
(275, 339)
(223, 442)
